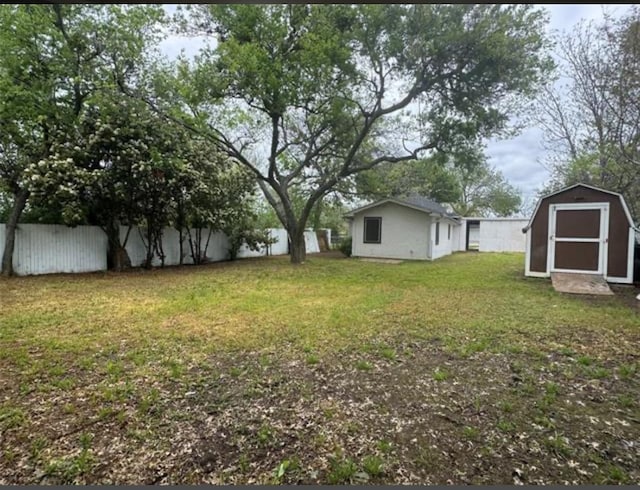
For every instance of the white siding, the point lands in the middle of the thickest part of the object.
(459, 237)
(502, 235)
(494, 235)
(445, 244)
(404, 233)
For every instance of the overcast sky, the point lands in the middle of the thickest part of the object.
(519, 158)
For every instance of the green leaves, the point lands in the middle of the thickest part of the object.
(307, 95)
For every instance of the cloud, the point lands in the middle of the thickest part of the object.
(520, 158)
(175, 44)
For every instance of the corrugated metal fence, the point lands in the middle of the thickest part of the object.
(492, 235)
(46, 249)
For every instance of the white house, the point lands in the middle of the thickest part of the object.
(403, 228)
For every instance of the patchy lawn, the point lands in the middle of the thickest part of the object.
(338, 371)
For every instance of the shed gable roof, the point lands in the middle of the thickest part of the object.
(622, 201)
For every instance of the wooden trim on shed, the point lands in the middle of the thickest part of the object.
(630, 255)
(527, 260)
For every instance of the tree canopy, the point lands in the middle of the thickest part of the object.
(305, 96)
(591, 120)
(54, 59)
(75, 150)
(464, 180)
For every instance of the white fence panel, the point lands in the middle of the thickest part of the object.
(502, 235)
(135, 246)
(2, 237)
(217, 250)
(45, 249)
(245, 252)
(311, 242)
(281, 247)
(171, 246)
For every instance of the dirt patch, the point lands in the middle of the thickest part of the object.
(404, 413)
(574, 283)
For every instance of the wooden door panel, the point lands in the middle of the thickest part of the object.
(580, 256)
(578, 223)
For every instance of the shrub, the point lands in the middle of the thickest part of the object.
(345, 246)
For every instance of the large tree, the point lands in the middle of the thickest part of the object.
(484, 191)
(427, 177)
(465, 180)
(306, 96)
(53, 60)
(591, 116)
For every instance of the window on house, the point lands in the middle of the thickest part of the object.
(448, 232)
(372, 230)
(438, 233)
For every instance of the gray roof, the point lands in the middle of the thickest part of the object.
(427, 205)
(416, 202)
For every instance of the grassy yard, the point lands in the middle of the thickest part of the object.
(337, 371)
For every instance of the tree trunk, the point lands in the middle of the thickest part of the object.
(298, 248)
(149, 257)
(10, 231)
(117, 256)
(317, 214)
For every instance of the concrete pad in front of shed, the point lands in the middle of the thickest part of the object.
(383, 261)
(575, 283)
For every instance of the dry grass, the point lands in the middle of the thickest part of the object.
(142, 357)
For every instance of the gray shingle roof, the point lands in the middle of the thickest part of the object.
(426, 204)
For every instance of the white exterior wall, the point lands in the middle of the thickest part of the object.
(502, 235)
(459, 238)
(404, 233)
(495, 234)
(45, 249)
(445, 245)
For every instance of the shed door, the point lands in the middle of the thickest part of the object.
(578, 237)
